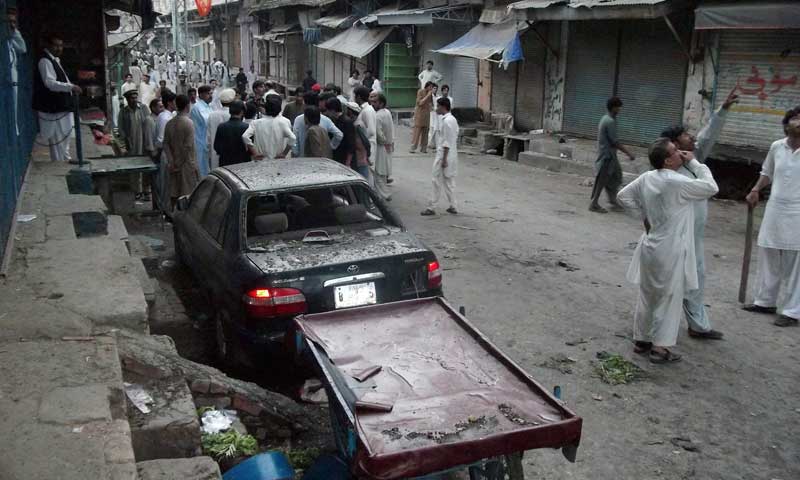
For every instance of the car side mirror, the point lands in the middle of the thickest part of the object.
(183, 203)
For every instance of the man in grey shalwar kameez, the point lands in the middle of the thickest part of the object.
(607, 167)
(133, 130)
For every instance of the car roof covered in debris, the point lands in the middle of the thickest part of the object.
(287, 173)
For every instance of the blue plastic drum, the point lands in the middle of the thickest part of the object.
(271, 465)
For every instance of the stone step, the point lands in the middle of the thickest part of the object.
(563, 165)
(92, 277)
(197, 468)
(171, 428)
(64, 411)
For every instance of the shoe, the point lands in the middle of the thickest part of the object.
(758, 308)
(452, 210)
(597, 209)
(784, 321)
(615, 207)
(389, 181)
(427, 212)
(664, 357)
(709, 335)
(413, 150)
(424, 152)
(388, 199)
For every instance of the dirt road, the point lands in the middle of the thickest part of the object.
(535, 269)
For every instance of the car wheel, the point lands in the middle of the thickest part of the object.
(224, 339)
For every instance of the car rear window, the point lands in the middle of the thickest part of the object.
(291, 215)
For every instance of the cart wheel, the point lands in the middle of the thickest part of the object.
(508, 467)
(514, 466)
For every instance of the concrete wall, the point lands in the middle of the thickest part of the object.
(555, 75)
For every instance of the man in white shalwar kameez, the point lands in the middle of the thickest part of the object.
(199, 115)
(215, 119)
(384, 134)
(445, 164)
(366, 119)
(53, 101)
(664, 264)
(779, 235)
(694, 303)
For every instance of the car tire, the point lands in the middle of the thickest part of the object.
(225, 346)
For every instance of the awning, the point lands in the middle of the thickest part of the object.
(208, 39)
(762, 15)
(496, 43)
(277, 32)
(129, 26)
(494, 14)
(417, 16)
(356, 41)
(262, 5)
(550, 10)
(336, 21)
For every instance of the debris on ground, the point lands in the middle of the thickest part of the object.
(614, 369)
(559, 362)
(229, 444)
(301, 458)
(576, 342)
(587, 182)
(596, 397)
(215, 421)
(138, 397)
(463, 227)
(567, 266)
(685, 443)
(312, 391)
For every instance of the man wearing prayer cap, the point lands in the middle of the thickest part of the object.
(217, 118)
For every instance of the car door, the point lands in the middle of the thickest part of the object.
(212, 230)
(190, 225)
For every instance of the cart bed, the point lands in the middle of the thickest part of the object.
(456, 398)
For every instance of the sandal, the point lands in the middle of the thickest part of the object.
(664, 357)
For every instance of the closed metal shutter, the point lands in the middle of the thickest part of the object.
(591, 65)
(503, 93)
(652, 73)
(530, 86)
(465, 88)
(766, 67)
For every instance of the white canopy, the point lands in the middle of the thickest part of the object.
(356, 41)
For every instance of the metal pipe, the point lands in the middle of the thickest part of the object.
(678, 38)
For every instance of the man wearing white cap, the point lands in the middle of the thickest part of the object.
(217, 118)
(147, 91)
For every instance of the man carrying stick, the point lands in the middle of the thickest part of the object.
(779, 235)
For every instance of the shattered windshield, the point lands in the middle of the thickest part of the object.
(313, 215)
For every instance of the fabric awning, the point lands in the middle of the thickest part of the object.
(336, 21)
(356, 41)
(550, 10)
(264, 5)
(395, 16)
(277, 32)
(494, 14)
(761, 15)
(488, 42)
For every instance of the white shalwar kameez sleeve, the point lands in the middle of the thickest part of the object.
(55, 128)
(445, 178)
(664, 264)
(779, 235)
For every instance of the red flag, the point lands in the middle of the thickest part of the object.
(203, 7)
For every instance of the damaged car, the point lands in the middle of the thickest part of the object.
(272, 239)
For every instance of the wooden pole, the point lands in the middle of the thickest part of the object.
(748, 250)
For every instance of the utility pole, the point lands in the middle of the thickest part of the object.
(175, 31)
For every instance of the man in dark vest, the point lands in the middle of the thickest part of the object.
(53, 100)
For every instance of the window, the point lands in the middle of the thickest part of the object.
(290, 215)
(214, 217)
(199, 198)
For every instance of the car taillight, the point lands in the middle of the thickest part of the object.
(434, 275)
(274, 302)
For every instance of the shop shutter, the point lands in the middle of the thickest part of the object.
(465, 88)
(591, 64)
(747, 58)
(652, 74)
(530, 86)
(503, 93)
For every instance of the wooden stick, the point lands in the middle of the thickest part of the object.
(748, 251)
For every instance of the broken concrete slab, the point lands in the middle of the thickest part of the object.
(110, 296)
(197, 468)
(171, 428)
(69, 405)
(28, 313)
(61, 204)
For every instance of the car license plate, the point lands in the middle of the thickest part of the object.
(354, 295)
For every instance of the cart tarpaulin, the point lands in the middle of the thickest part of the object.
(356, 41)
(487, 42)
(769, 15)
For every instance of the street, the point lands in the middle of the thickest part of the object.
(544, 278)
